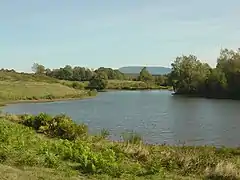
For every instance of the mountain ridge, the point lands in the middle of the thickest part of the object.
(154, 70)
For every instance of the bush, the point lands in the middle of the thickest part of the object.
(77, 85)
(92, 92)
(49, 96)
(59, 126)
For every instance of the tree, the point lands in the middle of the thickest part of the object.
(79, 74)
(229, 63)
(216, 84)
(98, 81)
(145, 75)
(189, 75)
(38, 68)
(111, 74)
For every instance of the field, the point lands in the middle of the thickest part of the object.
(15, 87)
(36, 147)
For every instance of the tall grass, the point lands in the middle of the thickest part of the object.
(56, 142)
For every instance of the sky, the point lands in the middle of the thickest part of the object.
(111, 33)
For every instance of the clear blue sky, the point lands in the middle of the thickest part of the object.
(114, 33)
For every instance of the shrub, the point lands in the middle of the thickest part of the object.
(77, 85)
(92, 92)
(49, 96)
(58, 126)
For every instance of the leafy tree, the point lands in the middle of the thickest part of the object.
(145, 75)
(79, 74)
(189, 75)
(67, 72)
(111, 74)
(38, 68)
(229, 63)
(98, 82)
(216, 84)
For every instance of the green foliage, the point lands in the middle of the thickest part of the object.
(38, 68)
(98, 82)
(190, 76)
(77, 85)
(133, 85)
(111, 74)
(58, 126)
(83, 74)
(145, 76)
(20, 146)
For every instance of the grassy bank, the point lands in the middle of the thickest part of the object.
(120, 85)
(45, 147)
(133, 85)
(17, 87)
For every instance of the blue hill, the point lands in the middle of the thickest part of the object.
(156, 70)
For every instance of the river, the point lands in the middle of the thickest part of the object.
(157, 115)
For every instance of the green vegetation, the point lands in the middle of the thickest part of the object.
(145, 76)
(191, 77)
(134, 85)
(45, 147)
(15, 87)
(105, 78)
(98, 81)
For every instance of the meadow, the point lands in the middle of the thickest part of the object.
(21, 87)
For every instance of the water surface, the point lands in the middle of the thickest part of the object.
(157, 115)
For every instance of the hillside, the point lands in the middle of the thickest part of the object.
(153, 70)
(15, 87)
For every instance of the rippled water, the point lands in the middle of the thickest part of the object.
(157, 115)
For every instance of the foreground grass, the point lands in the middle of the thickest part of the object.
(40, 147)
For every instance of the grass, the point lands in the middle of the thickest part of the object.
(24, 90)
(21, 87)
(39, 151)
(14, 76)
(121, 85)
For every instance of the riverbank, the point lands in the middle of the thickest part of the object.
(5, 103)
(32, 91)
(223, 97)
(64, 150)
(133, 85)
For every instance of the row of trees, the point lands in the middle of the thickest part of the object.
(78, 73)
(84, 74)
(190, 76)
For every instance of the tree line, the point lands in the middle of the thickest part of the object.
(98, 78)
(77, 73)
(190, 76)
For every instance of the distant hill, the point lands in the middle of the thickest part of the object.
(154, 70)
